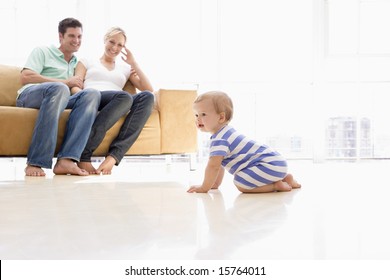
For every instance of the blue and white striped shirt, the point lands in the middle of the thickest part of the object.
(240, 152)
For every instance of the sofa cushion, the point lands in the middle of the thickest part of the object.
(177, 123)
(10, 84)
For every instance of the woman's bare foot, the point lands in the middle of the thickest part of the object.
(35, 171)
(87, 166)
(106, 166)
(66, 166)
(281, 186)
(289, 179)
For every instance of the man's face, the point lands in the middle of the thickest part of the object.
(71, 40)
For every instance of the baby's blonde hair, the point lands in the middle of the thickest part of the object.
(221, 101)
(113, 31)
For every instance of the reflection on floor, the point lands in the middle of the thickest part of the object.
(143, 211)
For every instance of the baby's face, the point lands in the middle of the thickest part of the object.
(206, 118)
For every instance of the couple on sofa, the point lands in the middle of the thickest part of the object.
(54, 80)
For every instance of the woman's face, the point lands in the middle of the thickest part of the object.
(114, 45)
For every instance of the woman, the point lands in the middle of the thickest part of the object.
(109, 75)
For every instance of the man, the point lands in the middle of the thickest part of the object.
(47, 78)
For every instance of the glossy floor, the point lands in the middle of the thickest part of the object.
(143, 211)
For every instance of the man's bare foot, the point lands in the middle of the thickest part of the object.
(87, 166)
(289, 179)
(106, 166)
(282, 186)
(35, 171)
(68, 167)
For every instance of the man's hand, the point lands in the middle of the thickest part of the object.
(75, 81)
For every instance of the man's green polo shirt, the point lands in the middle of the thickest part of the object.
(50, 62)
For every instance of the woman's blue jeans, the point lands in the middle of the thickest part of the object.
(52, 99)
(114, 105)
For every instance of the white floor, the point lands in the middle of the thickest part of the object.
(143, 212)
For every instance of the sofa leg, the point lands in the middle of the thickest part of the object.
(191, 158)
(193, 162)
(168, 159)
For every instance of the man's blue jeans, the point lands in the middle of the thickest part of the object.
(114, 105)
(52, 99)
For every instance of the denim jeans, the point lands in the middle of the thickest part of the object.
(52, 99)
(113, 105)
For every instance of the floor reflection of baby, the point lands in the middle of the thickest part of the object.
(250, 219)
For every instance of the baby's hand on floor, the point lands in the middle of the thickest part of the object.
(196, 189)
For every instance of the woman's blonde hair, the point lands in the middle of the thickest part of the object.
(114, 31)
(221, 102)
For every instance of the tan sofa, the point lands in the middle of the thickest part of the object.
(169, 130)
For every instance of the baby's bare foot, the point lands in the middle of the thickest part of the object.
(289, 179)
(68, 167)
(35, 171)
(282, 186)
(295, 185)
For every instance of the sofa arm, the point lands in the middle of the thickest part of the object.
(178, 131)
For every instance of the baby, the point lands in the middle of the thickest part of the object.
(256, 168)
